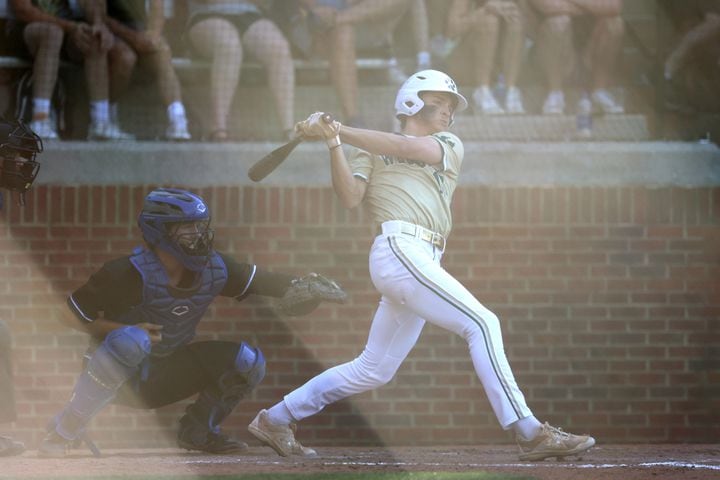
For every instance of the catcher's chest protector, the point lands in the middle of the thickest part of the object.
(179, 315)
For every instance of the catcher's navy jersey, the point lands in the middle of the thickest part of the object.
(117, 287)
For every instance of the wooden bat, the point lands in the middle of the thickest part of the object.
(266, 165)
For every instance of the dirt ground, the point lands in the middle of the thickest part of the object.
(626, 462)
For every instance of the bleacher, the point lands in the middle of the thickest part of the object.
(253, 113)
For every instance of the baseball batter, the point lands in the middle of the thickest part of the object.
(407, 183)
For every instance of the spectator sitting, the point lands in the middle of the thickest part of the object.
(50, 27)
(139, 34)
(332, 34)
(692, 67)
(222, 30)
(556, 51)
(480, 21)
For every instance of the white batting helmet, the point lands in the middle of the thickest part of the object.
(408, 101)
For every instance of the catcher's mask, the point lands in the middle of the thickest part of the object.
(18, 148)
(408, 101)
(178, 222)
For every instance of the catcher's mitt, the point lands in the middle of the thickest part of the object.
(306, 293)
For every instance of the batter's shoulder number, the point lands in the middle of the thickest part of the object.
(451, 140)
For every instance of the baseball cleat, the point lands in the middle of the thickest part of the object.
(54, 446)
(215, 443)
(10, 447)
(553, 442)
(280, 438)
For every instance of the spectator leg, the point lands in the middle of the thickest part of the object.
(701, 35)
(266, 43)
(44, 41)
(513, 45)
(556, 50)
(603, 50)
(343, 69)
(485, 41)
(160, 62)
(96, 75)
(218, 39)
(121, 62)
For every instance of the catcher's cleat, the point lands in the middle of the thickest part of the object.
(10, 447)
(54, 446)
(211, 443)
(553, 442)
(280, 438)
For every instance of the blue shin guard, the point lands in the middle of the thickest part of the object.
(118, 358)
(216, 402)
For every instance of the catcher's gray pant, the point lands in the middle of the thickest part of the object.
(415, 289)
(7, 390)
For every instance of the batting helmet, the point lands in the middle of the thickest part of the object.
(408, 101)
(164, 210)
(18, 147)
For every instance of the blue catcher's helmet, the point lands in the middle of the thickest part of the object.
(178, 222)
(18, 147)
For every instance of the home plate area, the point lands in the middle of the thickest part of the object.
(698, 462)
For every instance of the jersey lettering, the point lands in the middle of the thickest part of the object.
(438, 175)
(388, 160)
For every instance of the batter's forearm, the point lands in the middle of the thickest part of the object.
(349, 189)
(422, 149)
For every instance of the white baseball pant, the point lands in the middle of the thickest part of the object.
(415, 289)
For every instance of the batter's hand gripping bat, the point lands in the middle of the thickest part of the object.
(266, 165)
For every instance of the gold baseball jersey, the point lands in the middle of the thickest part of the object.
(410, 190)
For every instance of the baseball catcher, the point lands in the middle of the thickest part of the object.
(141, 312)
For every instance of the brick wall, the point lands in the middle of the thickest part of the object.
(609, 300)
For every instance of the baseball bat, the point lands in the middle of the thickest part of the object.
(266, 165)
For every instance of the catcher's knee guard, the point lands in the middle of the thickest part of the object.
(118, 358)
(216, 402)
(248, 372)
(249, 363)
(127, 346)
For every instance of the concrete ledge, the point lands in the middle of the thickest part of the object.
(486, 163)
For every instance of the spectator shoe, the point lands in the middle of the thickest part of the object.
(606, 102)
(554, 103)
(485, 101)
(44, 129)
(177, 132)
(513, 102)
(107, 131)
